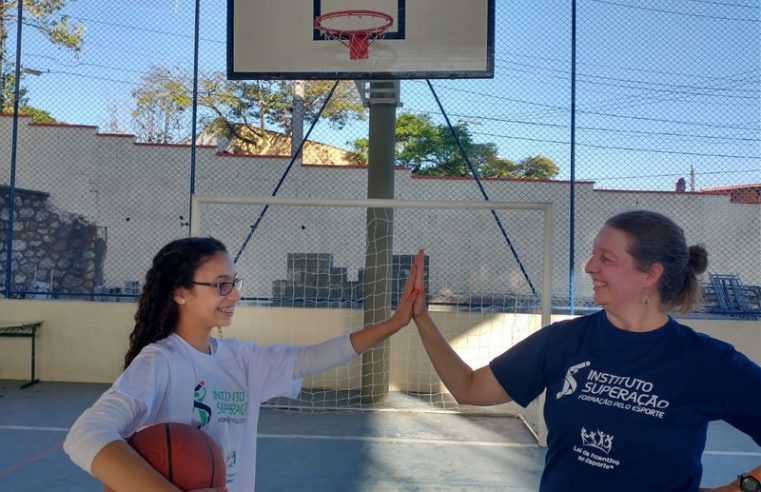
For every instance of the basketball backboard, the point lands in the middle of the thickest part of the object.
(280, 39)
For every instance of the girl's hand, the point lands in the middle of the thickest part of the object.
(403, 313)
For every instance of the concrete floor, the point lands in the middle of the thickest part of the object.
(359, 451)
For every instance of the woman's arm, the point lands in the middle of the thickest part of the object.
(734, 485)
(479, 387)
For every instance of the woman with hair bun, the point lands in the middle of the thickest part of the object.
(630, 391)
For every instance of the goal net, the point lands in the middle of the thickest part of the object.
(314, 269)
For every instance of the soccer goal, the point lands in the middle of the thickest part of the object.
(315, 268)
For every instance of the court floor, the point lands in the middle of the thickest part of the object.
(358, 451)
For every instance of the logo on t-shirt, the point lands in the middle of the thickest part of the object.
(612, 390)
(597, 439)
(201, 411)
(595, 449)
(570, 384)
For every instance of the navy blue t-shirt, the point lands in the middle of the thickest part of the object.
(629, 411)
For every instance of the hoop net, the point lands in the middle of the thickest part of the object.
(341, 25)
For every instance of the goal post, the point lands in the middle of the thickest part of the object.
(306, 263)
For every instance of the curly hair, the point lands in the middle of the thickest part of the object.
(173, 266)
(656, 238)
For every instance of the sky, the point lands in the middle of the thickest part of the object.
(661, 88)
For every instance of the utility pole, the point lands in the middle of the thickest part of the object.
(692, 178)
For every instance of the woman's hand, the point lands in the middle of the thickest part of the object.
(418, 272)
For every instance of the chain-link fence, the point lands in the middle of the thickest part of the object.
(608, 106)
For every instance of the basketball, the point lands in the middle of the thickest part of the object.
(186, 456)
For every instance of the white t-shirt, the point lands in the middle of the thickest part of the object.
(170, 381)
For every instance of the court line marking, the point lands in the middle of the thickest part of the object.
(28, 460)
(381, 440)
(399, 440)
(732, 453)
(33, 428)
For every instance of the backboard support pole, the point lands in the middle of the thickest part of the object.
(380, 234)
(297, 118)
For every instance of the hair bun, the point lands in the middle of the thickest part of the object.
(697, 258)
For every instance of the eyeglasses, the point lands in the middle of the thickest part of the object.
(224, 287)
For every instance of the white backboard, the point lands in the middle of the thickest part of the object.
(276, 39)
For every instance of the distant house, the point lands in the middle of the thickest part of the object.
(743, 193)
(269, 143)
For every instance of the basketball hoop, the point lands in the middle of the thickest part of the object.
(358, 40)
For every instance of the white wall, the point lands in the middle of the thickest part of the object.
(86, 341)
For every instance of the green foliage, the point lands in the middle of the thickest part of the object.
(539, 167)
(7, 98)
(62, 33)
(161, 103)
(42, 16)
(38, 115)
(359, 154)
(344, 106)
(234, 108)
(433, 150)
(7, 102)
(258, 104)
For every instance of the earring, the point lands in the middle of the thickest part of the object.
(181, 301)
(645, 299)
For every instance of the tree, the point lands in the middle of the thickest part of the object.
(235, 109)
(161, 104)
(431, 149)
(539, 167)
(42, 16)
(237, 104)
(244, 109)
(7, 101)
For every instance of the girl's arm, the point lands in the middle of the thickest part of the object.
(314, 359)
(121, 468)
(366, 338)
(95, 444)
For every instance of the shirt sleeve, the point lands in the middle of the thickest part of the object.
(146, 380)
(129, 404)
(314, 359)
(521, 369)
(742, 394)
(111, 418)
(271, 369)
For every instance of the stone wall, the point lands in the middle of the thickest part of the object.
(52, 250)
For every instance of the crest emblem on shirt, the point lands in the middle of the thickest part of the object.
(570, 384)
